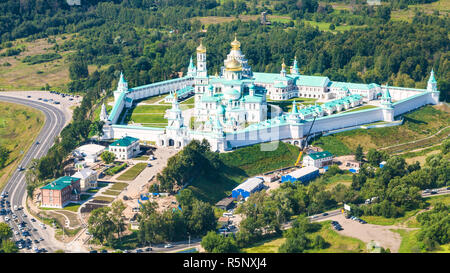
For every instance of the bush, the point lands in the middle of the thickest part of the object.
(41, 58)
(116, 169)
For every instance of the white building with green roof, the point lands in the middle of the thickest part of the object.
(125, 148)
(318, 160)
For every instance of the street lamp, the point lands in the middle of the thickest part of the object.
(189, 242)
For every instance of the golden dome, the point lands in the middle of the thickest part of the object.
(283, 65)
(233, 65)
(201, 48)
(235, 44)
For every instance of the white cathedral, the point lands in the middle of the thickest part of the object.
(232, 109)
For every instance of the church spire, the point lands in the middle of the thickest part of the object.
(122, 86)
(432, 83)
(191, 68)
(103, 113)
(386, 98)
(295, 70)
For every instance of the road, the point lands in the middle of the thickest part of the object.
(16, 186)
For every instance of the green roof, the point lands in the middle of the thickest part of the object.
(60, 183)
(124, 142)
(320, 155)
(349, 85)
(312, 81)
(115, 110)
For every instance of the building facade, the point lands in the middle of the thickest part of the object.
(318, 160)
(88, 178)
(60, 192)
(125, 148)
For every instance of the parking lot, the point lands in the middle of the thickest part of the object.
(381, 235)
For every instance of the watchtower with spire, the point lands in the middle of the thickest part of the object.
(386, 103)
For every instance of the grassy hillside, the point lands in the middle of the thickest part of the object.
(16, 74)
(19, 125)
(239, 165)
(418, 124)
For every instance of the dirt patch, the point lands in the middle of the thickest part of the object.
(380, 235)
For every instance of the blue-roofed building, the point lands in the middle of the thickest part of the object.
(248, 187)
(303, 175)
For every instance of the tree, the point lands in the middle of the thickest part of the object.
(5, 231)
(4, 155)
(108, 157)
(375, 157)
(216, 243)
(319, 242)
(200, 219)
(117, 218)
(100, 224)
(445, 147)
(6, 245)
(78, 69)
(359, 155)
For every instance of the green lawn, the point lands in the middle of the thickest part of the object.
(110, 192)
(144, 157)
(133, 172)
(148, 118)
(19, 125)
(332, 144)
(118, 186)
(382, 221)
(104, 198)
(145, 109)
(438, 199)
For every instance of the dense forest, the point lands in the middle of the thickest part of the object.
(152, 40)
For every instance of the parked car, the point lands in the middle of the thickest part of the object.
(148, 249)
(168, 246)
(325, 214)
(139, 251)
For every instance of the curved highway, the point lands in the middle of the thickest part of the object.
(16, 186)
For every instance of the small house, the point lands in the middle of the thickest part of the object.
(318, 160)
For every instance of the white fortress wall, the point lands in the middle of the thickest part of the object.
(266, 134)
(117, 109)
(159, 88)
(412, 102)
(401, 93)
(338, 121)
(143, 133)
